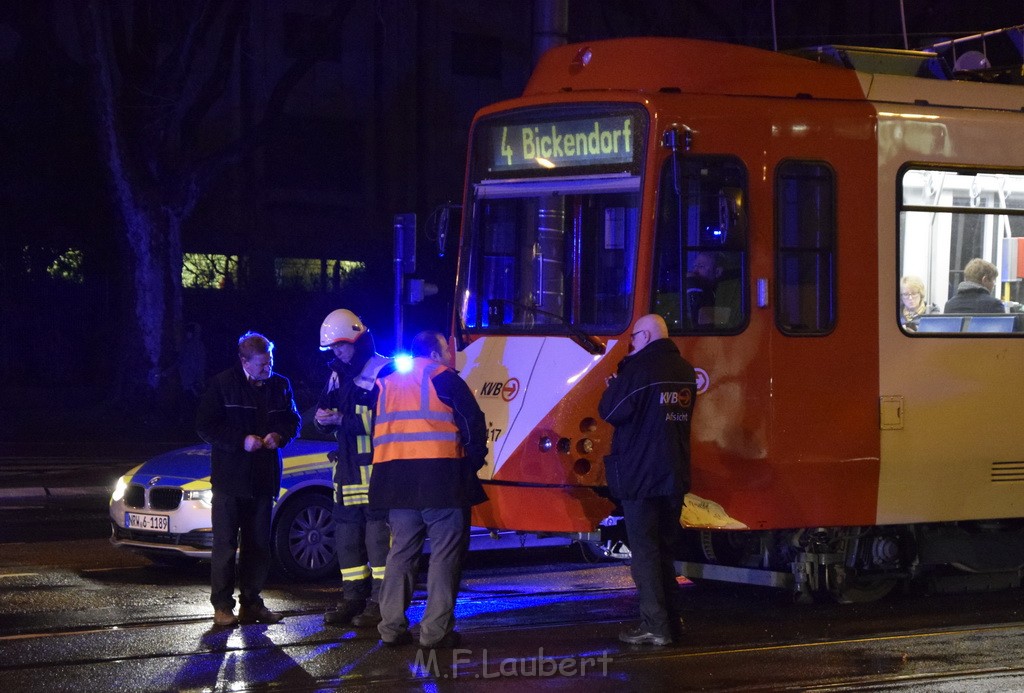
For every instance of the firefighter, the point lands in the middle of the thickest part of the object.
(361, 535)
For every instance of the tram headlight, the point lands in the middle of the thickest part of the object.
(585, 446)
(546, 444)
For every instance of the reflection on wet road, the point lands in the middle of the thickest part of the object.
(78, 615)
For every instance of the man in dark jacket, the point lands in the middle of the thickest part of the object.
(247, 414)
(650, 403)
(361, 536)
(429, 440)
(974, 293)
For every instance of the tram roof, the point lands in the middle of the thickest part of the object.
(690, 66)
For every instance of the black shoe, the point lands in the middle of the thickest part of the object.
(638, 636)
(401, 639)
(257, 614)
(342, 615)
(451, 639)
(369, 617)
(224, 618)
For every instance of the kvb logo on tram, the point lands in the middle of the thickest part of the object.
(506, 390)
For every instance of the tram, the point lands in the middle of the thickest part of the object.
(769, 206)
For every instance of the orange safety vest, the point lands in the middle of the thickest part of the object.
(412, 423)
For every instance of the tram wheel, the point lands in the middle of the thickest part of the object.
(860, 589)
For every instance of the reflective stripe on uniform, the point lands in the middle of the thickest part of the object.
(359, 572)
(412, 422)
(364, 444)
(415, 437)
(377, 572)
(356, 494)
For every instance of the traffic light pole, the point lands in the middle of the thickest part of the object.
(398, 303)
(405, 263)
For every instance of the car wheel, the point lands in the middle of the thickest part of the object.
(304, 538)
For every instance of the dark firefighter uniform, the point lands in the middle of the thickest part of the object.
(361, 534)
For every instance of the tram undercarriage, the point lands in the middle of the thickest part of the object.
(849, 564)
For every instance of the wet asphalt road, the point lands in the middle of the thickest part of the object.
(76, 614)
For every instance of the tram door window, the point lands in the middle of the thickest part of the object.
(805, 263)
(947, 219)
(544, 256)
(700, 246)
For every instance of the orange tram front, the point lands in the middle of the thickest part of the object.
(771, 208)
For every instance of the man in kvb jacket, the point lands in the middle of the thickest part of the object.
(247, 414)
(650, 403)
(429, 440)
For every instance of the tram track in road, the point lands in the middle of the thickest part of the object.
(991, 679)
(155, 645)
(510, 607)
(910, 660)
(131, 628)
(465, 601)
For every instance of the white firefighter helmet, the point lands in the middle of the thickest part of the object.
(340, 326)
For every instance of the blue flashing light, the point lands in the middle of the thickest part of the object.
(403, 363)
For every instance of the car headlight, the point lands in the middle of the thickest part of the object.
(119, 488)
(204, 496)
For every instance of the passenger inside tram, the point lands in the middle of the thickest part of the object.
(914, 303)
(974, 293)
(700, 288)
(713, 291)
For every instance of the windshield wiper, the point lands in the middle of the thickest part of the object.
(592, 344)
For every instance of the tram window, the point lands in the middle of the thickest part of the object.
(700, 248)
(548, 257)
(805, 226)
(948, 219)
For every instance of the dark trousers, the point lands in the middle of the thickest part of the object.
(448, 532)
(240, 525)
(652, 527)
(361, 537)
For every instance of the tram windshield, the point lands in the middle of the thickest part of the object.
(553, 223)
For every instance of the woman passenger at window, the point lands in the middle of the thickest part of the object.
(913, 303)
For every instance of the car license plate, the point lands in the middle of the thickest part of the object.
(153, 523)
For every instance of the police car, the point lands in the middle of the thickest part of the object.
(162, 509)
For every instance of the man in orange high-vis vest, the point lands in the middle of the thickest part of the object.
(429, 440)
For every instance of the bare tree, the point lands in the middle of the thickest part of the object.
(157, 71)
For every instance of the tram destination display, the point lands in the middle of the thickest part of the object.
(547, 145)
